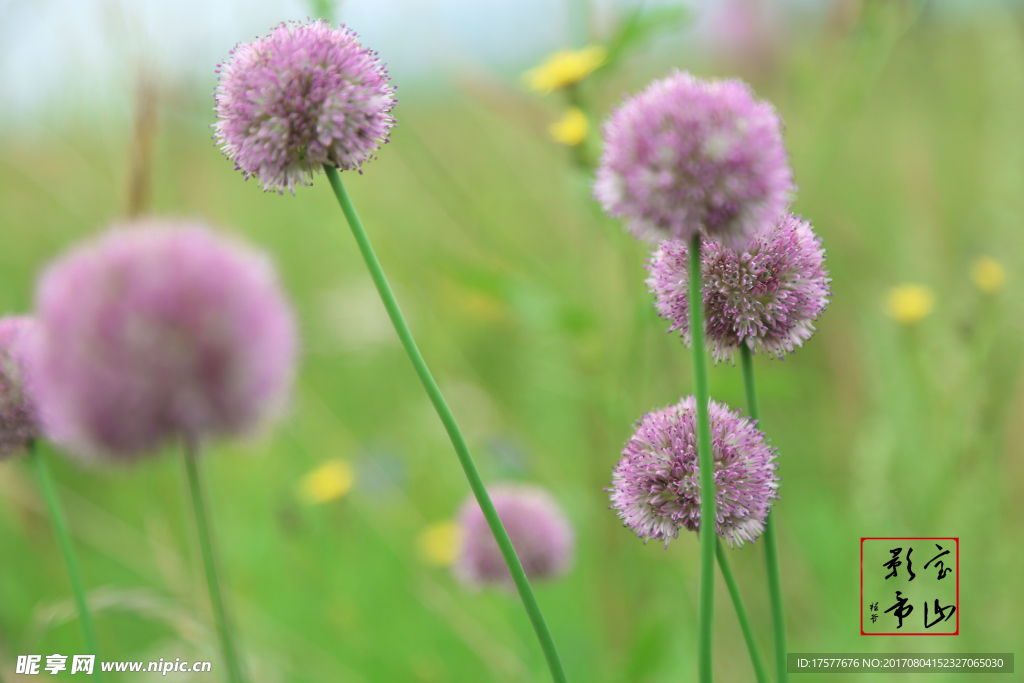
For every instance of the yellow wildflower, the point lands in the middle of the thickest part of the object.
(330, 481)
(564, 68)
(988, 274)
(909, 304)
(439, 543)
(571, 129)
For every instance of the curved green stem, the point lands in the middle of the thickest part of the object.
(708, 516)
(61, 528)
(741, 614)
(461, 449)
(209, 564)
(771, 554)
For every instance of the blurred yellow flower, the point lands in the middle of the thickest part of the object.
(988, 274)
(571, 129)
(909, 304)
(565, 68)
(439, 543)
(330, 481)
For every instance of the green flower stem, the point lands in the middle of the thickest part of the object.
(61, 528)
(209, 563)
(461, 449)
(741, 613)
(708, 536)
(771, 554)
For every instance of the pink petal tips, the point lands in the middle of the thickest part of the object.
(656, 485)
(158, 332)
(767, 296)
(18, 423)
(537, 527)
(304, 96)
(688, 155)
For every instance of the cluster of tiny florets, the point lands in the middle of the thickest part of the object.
(158, 332)
(539, 531)
(304, 96)
(18, 423)
(656, 485)
(689, 156)
(766, 296)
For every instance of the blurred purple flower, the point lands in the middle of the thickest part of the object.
(656, 485)
(767, 296)
(688, 155)
(158, 332)
(304, 96)
(18, 423)
(540, 533)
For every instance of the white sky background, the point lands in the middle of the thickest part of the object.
(80, 52)
(51, 49)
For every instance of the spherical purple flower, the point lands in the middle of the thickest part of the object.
(304, 96)
(540, 533)
(157, 332)
(18, 423)
(766, 297)
(656, 485)
(688, 155)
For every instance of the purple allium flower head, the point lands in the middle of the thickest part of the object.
(766, 297)
(688, 155)
(656, 485)
(540, 533)
(157, 332)
(304, 96)
(18, 423)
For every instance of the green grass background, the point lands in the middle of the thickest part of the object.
(907, 140)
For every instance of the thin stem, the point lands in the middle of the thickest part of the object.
(741, 614)
(708, 516)
(461, 449)
(209, 563)
(771, 554)
(61, 528)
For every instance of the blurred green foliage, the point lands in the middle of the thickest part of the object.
(530, 307)
(642, 25)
